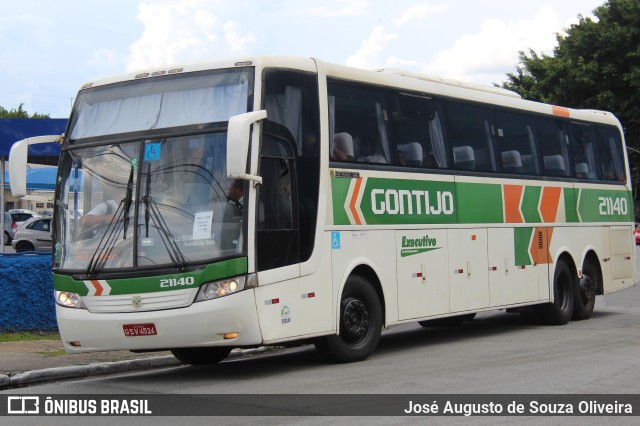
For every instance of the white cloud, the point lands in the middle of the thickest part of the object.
(337, 8)
(419, 11)
(482, 56)
(173, 32)
(237, 43)
(368, 56)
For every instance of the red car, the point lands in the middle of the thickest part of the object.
(636, 233)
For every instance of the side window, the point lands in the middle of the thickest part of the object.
(581, 139)
(358, 124)
(291, 100)
(515, 134)
(471, 137)
(609, 153)
(554, 146)
(418, 131)
(275, 209)
(40, 225)
(277, 234)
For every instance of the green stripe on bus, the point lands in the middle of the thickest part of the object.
(339, 190)
(530, 203)
(151, 284)
(570, 210)
(380, 201)
(479, 203)
(602, 205)
(521, 243)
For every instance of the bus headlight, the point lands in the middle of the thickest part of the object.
(213, 290)
(67, 299)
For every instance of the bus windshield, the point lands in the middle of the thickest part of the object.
(153, 202)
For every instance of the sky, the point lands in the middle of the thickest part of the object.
(49, 49)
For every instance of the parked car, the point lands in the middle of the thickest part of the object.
(33, 235)
(12, 221)
(636, 233)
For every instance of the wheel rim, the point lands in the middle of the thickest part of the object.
(355, 320)
(587, 289)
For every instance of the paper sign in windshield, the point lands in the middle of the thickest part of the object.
(202, 225)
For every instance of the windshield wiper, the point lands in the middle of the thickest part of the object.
(151, 208)
(127, 203)
(167, 239)
(146, 199)
(103, 251)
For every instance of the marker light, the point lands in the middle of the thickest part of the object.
(68, 300)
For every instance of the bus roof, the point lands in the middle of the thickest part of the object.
(392, 77)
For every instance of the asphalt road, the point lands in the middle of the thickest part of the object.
(497, 353)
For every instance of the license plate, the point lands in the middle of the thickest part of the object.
(133, 330)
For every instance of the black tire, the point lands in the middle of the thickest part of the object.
(6, 238)
(449, 321)
(23, 246)
(201, 356)
(586, 289)
(360, 324)
(560, 311)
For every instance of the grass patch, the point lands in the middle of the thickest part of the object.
(23, 337)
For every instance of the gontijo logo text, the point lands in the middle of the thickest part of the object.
(368, 201)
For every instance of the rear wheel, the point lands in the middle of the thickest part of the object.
(586, 289)
(201, 356)
(23, 246)
(360, 324)
(6, 239)
(560, 310)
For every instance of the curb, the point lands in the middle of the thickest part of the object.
(27, 378)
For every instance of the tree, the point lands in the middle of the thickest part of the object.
(20, 113)
(595, 65)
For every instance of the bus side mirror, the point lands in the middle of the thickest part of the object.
(238, 136)
(18, 162)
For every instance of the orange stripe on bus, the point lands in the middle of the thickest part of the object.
(560, 111)
(549, 203)
(512, 196)
(354, 198)
(98, 287)
(540, 243)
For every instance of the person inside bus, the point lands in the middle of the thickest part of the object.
(369, 153)
(100, 213)
(342, 147)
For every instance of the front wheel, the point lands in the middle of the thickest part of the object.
(360, 324)
(24, 246)
(201, 356)
(559, 312)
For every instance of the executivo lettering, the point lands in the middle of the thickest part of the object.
(411, 246)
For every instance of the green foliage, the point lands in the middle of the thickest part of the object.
(596, 65)
(24, 337)
(20, 113)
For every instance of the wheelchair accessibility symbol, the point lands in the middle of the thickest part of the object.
(335, 240)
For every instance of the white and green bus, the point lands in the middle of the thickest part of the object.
(265, 200)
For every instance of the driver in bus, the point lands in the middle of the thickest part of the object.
(100, 213)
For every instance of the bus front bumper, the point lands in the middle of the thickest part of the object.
(210, 323)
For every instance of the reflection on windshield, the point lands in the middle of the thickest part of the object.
(182, 207)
